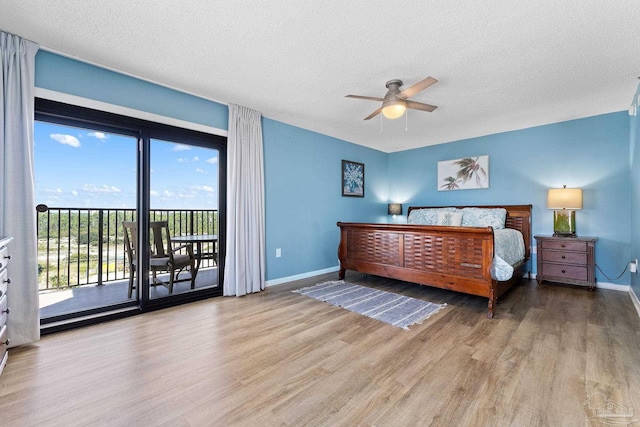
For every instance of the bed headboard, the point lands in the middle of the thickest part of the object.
(518, 218)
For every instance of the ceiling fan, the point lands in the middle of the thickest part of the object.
(395, 102)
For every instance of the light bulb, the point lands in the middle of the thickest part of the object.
(394, 111)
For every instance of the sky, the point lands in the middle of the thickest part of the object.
(80, 168)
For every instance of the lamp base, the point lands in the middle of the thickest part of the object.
(564, 223)
(564, 235)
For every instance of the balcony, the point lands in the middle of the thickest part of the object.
(82, 256)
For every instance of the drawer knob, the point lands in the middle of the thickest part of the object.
(7, 342)
(563, 271)
(8, 310)
(8, 281)
(564, 257)
(7, 256)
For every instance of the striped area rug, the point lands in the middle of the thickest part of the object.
(394, 309)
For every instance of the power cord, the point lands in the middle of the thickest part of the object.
(609, 278)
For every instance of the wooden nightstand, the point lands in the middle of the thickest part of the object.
(568, 260)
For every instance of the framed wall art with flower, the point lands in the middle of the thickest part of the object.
(352, 179)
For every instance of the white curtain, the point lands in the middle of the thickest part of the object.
(17, 188)
(634, 109)
(245, 260)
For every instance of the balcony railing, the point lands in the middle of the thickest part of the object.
(80, 246)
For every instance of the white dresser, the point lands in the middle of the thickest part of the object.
(4, 299)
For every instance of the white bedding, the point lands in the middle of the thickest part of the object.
(509, 249)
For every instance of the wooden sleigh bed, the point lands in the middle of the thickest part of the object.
(454, 258)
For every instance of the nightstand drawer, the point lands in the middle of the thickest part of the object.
(564, 245)
(573, 272)
(565, 257)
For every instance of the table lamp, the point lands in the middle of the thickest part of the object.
(395, 209)
(564, 201)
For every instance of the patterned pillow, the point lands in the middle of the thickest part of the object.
(428, 216)
(484, 217)
(452, 219)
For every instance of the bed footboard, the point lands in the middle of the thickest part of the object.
(454, 258)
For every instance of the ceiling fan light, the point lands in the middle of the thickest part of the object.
(394, 109)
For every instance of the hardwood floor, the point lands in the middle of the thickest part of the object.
(280, 358)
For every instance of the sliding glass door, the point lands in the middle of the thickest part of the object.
(185, 192)
(102, 182)
(85, 188)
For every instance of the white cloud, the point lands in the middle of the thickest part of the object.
(204, 188)
(99, 135)
(74, 192)
(65, 139)
(181, 147)
(154, 193)
(212, 160)
(200, 170)
(52, 190)
(102, 189)
(187, 160)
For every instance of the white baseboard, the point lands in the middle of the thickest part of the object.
(282, 280)
(634, 298)
(274, 282)
(613, 286)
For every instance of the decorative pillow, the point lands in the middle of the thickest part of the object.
(428, 216)
(452, 219)
(484, 217)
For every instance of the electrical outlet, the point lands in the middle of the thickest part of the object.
(633, 266)
(278, 253)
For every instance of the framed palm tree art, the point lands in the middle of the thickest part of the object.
(466, 173)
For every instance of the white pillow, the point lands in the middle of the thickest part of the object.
(452, 219)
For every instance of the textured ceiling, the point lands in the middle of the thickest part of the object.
(501, 65)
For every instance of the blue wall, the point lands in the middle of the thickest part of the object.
(302, 171)
(304, 197)
(302, 168)
(65, 75)
(635, 187)
(591, 153)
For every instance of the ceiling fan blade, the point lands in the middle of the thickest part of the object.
(420, 106)
(417, 87)
(375, 113)
(369, 98)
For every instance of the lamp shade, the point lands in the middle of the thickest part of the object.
(394, 108)
(395, 208)
(564, 198)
